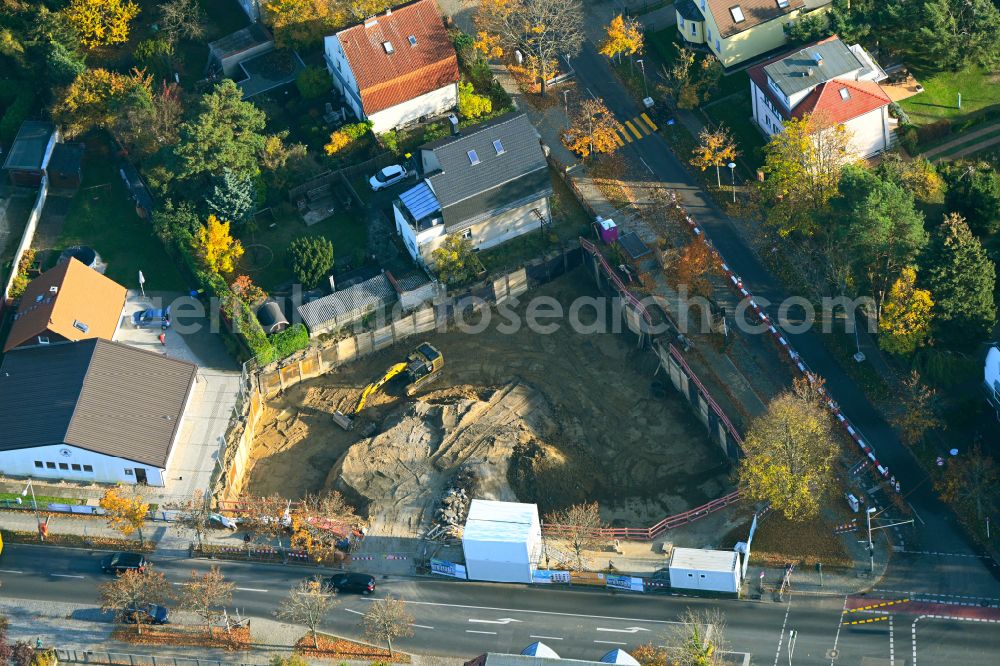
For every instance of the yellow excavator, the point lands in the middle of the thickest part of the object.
(421, 367)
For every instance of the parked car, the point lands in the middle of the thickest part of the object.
(351, 582)
(152, 317)
(218, 520)
(387, 177)
(146, 614)
(119, 562)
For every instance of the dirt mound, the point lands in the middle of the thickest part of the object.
(423, 444)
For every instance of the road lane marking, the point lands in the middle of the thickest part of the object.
(353, 611)
(630, 630)
(548, 638)
(421, 626)
(66, 575)
(836, 638)
(503, 620)
(541, 612)
(10, 571)
(647, 166)
(892, 647)
(251, 589)
(781, 636)
(631, 128)
(473, 631)
(648, 121)
(611, 642)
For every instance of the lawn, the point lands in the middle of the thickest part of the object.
(735, 112)
(348, 231)
(939, 101)
(103, 217)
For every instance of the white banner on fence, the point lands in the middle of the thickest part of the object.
(545, 577)
(630, 583)
(446, 568)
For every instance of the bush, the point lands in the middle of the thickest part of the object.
(355, 131)
(290, 340)
(44, 658)
(934, 131)
(896, 111)
(21, 280)
(9, 90)
(908, 138)
(311, 257)
(156, 56)
(313, 82)
(435, 131)
(16, 114)
(471, 105)
(390, 140)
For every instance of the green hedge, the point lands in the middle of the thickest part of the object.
(290, 340)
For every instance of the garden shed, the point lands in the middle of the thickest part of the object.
(502, 541)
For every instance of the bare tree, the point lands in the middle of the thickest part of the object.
(387, 619)
(131, 590)
(541, 30)
(580, 525)
(320, 521)
(193, 514)
(205, 595)
(264, 518)
(308, 603)
(699, 640)
(182, 19)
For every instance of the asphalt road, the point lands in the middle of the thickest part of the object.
(464, 619)
(935, 528)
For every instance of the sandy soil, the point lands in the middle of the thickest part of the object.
(554, 419)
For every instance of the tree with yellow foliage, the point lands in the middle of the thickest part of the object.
(790, 451)
(105, 99)
(623, 36)
(300, 22)
(216, 248)
(541, 30)
(693, 269)
(715, 148)
(906, 315)
(126, 511)
(594, 130)
(101, 22)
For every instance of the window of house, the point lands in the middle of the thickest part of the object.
(128, 472)
(473, 157)
(694, 28)
(708, 33)
(737, 13)
(718, 45)
(76, 468)
(681, 23)
(702, 4)
(388, 47)
(88, 468)
(80, 326)
(498, 146)
(38, 464)
(50, 465)
(412, 39)
(845, 94)
(64, 466)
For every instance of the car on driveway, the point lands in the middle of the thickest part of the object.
(387, 176)
(152, 317)
(146, 614)
(118, 562)
(351, 582)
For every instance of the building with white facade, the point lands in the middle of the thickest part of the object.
(502, 541)
(829, 80)
(93, 410)
(490, 184)
(395, 68)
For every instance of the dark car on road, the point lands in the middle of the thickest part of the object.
(119, 562)
(146, 614)
(351, 582)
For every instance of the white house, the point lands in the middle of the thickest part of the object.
(827, 79)
(490, 184)
(91, 410)
(397, 67)
(502, 541)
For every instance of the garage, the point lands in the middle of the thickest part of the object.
(502, 541)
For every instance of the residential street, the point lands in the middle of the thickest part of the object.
(465, 619)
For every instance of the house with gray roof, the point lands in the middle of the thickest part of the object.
(91, 411)
(489, 183)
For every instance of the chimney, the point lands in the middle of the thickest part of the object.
(453, 122)
(818, 58)
(388, 11)
(809, 71)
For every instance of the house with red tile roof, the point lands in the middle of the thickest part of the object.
(827, 79)
(396, 67)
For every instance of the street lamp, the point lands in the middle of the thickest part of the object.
(34, 505)
(871, 546)
(566, 106)
(732, 174)
(642, 66)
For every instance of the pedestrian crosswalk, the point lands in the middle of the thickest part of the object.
(635, 129)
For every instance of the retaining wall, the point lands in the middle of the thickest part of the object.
(28, 235)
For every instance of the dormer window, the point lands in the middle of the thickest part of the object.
(473, 157)
(498, 146)
(80, 326)
(845, 94)
(412, 39)
(782, 4)
(388, 47)
(737, 13)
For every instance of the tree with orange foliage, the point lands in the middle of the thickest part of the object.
(248, 292)
(126, 510)
(594, 130)
(623, 36)
(693, 269)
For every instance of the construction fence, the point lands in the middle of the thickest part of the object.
(128, 659)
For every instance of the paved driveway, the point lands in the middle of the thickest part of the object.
(206, 419)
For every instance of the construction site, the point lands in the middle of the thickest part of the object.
(553, 419)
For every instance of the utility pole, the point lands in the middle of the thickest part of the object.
(34, 505)
(732, 175)
(566, 106)
(871, 546)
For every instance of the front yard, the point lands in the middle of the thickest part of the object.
(980, 95)
(102, 216)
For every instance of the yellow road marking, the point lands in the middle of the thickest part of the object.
(881, 605)
(626, 135)
(648, 121)
(868, 621)
(641, 125)
(631, 127)
(618, 139)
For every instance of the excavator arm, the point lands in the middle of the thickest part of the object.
(376, 385)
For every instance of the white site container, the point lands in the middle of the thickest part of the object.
(709, 570)
(502, 541)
